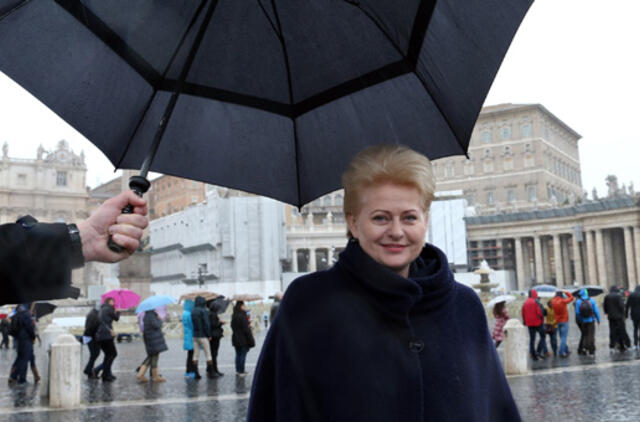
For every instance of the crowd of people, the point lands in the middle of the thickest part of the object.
(551, 319)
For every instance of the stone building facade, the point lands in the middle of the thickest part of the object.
(170, 194)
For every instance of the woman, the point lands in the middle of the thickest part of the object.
(501, 317)
(242, 337)
(187, 326)
(154, 344)
(386, 334)
(217, 333)
(551, 329)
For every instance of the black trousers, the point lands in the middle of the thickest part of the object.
(21, 364)
(618, 334)
(190, 361)
(532, 339)
(636, 328)
(108, 347)
(94, 352)
(588, 330)
(5, 341)
(215, 345)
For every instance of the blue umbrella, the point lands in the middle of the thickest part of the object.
(154, 302)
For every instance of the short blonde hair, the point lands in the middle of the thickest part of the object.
(387, 164)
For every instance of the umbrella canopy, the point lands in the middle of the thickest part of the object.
(501, 298)
(545, 290)
(219, 304)
(247, 297)
(591, 290)
(40, 309)
(123, 298)
(276, 110)
(154, 302)
(3, 316)
(206, 295)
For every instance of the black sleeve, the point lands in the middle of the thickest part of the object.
(35, 262)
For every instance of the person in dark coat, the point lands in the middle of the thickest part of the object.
(154, 344)
(217, 332)
(201, 335)
(36, 258)
(25, 337)
(242, 337)
(105, 335)
(386, 334)
(614, 308)
(632, 309)
(4, 329)
(91, 325)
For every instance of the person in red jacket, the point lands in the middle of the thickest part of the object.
(533, 318)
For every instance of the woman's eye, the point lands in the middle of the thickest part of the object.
(411, 218)
(379, 218)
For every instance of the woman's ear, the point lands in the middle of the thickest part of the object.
(351, 225)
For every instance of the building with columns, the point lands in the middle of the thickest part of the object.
(593, 243)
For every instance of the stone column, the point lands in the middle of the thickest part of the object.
(577, 261)
(566, 260)
(630, 257)
(294, 260)
(65, 373)
(520, 273)
(48, 336)
(557, 260)
(591, 260)
(516, 342)
(538, 259)
(546, 260)
(636, 241)
(312, 260)
(602, 269)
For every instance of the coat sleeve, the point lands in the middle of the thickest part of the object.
(595, 309)
(35, 262)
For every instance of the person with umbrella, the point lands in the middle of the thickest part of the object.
(386, 334)
(242, 336)
(105, 336)
(501, 317)
(154, 344)
(217, 332)
(633, 308)
(559, 304)
(587, 314)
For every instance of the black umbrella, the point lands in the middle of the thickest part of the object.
(591, 290)
(219, 305)
(270, 97)
(40, 309)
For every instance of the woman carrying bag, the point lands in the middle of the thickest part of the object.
(242, 338)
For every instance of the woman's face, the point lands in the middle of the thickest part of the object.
(391, 225)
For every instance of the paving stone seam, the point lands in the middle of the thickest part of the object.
(578, 368)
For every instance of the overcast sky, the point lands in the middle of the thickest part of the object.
(578, 58)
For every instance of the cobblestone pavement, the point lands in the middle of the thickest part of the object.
(600, 388)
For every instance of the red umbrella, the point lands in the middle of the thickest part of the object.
(123, 298)
(3, 316)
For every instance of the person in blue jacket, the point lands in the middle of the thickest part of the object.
(187, 325)
(587, 315)
(386, 334)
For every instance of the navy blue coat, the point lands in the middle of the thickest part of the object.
(359, 342)
(153, 338)
(201, 319)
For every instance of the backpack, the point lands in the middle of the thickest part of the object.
(14, 328)
(586, 310)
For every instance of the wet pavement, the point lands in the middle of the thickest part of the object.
(600, 388)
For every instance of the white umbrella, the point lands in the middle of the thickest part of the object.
(501, 298)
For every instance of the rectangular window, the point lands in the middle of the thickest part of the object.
(468, 168)
(525, 130)
(485, 137)
(531, 193)
(487, 166)
(490, 198)
(511, 196)
(505, 132)
(471, 199)
(61, 178)
(508, 163)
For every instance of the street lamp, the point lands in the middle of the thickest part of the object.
(202, 271)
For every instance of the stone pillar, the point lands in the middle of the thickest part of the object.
(48, 337)
(520, 273)
(546, 260)
(630, 257)
(312, 260)
(65, 372)
(516, 346)
(566, 260)
(538, 259)
(577, 261)
(591, 260)
(294, 260)
(602, 269)
(557, 260)
(636, 241)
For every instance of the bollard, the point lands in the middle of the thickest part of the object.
(48, 336)
(516, 342)
(64, 372)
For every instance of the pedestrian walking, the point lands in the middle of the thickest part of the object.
(4, 329)
(105, 336)
(632, 309)
(385, 334)
(217, 332)
(265, 318)
(614, 308)
(91, 325)
(32, 360)
(501, 317)
(23, 333)
(154, 344)
(559, 304)
(187, 336)
(201, 335)
(588, 314)
(551, 329)
(533, 318)
(242, 337)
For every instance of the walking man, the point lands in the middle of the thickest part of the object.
(533, 318)
(91, 325)
(614, 308)
(4, 329)
(633, 305)
(105, 335)
(587, 313)
(24, 335)
(559, 304)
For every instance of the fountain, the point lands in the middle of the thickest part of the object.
(485, 285)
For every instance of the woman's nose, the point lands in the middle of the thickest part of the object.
(395, 229)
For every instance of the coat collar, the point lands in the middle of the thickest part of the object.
(429, 286)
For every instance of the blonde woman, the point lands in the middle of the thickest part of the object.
(386, 334)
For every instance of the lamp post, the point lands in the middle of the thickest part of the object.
(202, 271)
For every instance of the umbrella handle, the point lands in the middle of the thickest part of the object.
(139, 185)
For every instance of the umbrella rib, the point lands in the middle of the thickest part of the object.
(14, 8)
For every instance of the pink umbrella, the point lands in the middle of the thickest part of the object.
(123, 298)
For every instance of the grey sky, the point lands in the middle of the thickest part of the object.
(579, 58)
